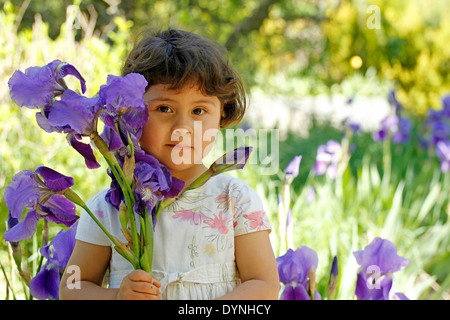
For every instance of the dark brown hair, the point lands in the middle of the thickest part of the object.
(181, 58)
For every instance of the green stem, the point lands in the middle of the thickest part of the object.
(129, 200)
(72, 196)
(126, 188)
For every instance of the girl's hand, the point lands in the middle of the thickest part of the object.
(139, 285)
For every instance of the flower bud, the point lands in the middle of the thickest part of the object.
(332, 282)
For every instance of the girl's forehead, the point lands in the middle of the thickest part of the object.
(163, 92)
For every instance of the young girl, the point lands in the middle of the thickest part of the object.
(213, 242)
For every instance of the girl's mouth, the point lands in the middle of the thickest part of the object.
(180, 146)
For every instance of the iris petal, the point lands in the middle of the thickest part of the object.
(294, 292)
(21, 192)
(65, 69)
(53, 179)
(45, 285)
(60, 210)
(73, 111)
(24, 229)
(85, 150)
(32, 89)
(381, 253)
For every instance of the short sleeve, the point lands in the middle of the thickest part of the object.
(249, 213)
(88, 230)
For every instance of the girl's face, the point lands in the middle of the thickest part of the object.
(181, 128)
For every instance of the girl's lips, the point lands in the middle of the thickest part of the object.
(179, 146)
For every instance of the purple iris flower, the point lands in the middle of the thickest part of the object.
(292, 169)
(377, 263)
(332, 281)
(393, 100)
(124, 99)
(150, 173)
(295, 269)
(45, 285)
(437, 125)
(327, 159)
(440, 131)
(446, 104)
(75, 115)
(232, 160)
(41, 199)
(118, 137)
(398, 127)
(152, 182)
(354, 126)
(39, 85)
(443, 153)
(74, 112)
(400, 296)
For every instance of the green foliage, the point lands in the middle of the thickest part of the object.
(392, 191)
(24, 144)
(286, 47)
(396, 192)
(409, 47)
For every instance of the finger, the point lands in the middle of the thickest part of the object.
(140, 275)
(141, 296)
(144, 287)
(156, 283)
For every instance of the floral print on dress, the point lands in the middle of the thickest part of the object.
(194, 217)
(256, 220)
(218, 223)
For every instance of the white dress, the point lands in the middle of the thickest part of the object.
(194, 254)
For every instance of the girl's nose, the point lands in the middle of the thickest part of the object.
(182, 128)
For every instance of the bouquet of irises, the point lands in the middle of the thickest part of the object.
(141, 186)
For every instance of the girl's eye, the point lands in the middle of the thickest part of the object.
(164, 109)
(198, 111)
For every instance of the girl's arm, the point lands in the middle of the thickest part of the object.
(91, 261)
(257, 268)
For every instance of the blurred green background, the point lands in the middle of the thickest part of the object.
(286, 48)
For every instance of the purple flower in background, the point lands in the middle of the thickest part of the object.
(292, 169)
(332, 281)
(41, 199)
(440, 131)
(372, 285)
(296, 270)
(446, 108)
(39, 85)
(393, 100)
(45, 285)
(353, 126)
(437, 125)
(400, 296)
(377, 263)
(398, 127)
(443, 153)
(327, 159)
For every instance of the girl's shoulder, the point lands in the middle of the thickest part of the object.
(227, 184)
(224, 181)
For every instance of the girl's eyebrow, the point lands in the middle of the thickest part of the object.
(164, 99)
